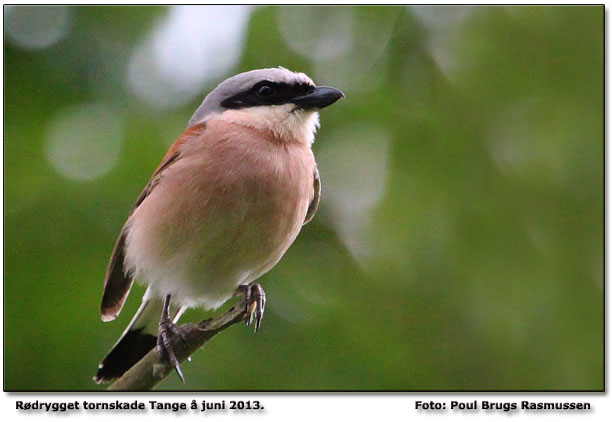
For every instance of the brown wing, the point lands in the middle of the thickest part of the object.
(314, 204)
(117, 283)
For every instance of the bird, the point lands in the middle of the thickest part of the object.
(226, 202)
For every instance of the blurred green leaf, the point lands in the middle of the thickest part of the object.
(471, 259)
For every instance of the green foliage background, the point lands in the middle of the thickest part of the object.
(484, 265)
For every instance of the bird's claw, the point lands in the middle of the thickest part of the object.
(167, 331)
(255, 299)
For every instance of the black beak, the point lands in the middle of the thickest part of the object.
(320, 97)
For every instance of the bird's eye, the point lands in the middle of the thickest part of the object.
(265, 91)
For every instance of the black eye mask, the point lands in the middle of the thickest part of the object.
(267, 93)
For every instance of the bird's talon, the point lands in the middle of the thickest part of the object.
(250, 310)
(179, 372)
(165, 349)
(168, 330)
(255, 299)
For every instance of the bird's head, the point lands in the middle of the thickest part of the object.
(278, 100)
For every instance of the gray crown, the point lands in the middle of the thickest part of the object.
(242, 82)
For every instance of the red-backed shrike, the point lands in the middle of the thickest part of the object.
(224, 205)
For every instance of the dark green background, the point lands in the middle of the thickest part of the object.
(483, 265)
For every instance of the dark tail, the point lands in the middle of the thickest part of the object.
(130, 349)
(137, 340)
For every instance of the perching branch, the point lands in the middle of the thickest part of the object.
(151, 370)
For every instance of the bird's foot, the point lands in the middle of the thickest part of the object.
(255, 299)
(167, 332)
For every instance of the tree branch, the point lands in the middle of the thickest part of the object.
(151, 370)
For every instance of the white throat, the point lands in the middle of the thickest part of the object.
(286, 124)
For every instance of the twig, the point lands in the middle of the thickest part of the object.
(151, 370)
